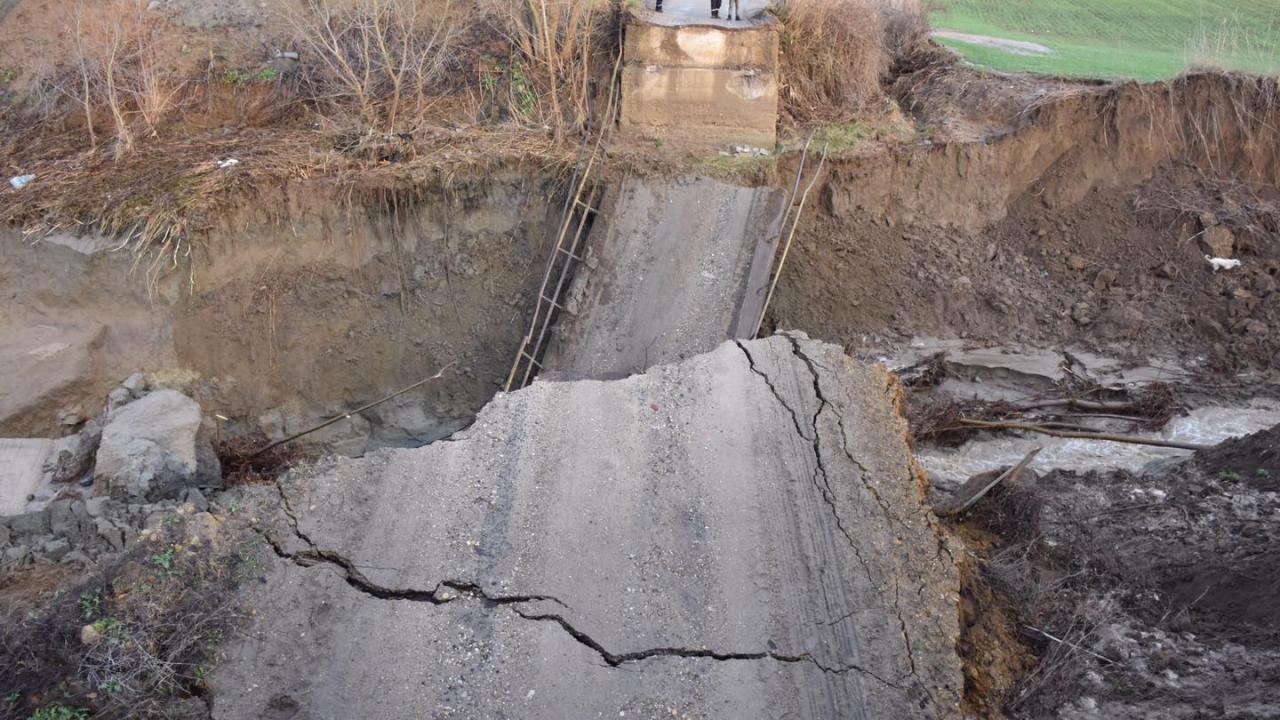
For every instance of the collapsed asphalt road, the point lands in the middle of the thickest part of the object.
(741, 535)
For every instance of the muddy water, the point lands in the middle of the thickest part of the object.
(1020, 374)
(1205, 426)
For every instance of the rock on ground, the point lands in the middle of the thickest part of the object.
(71, 457)
(155, 447)
(740, 535)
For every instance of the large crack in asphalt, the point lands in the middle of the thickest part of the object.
(820, 479)
(825, 486)
(441, 595)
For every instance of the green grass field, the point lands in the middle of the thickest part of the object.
(1143, 39)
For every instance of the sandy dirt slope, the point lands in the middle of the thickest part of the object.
(740, 535)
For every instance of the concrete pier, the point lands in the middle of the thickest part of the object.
(691, 81)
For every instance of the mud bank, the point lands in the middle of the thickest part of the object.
(290, 312)
(1047, 213)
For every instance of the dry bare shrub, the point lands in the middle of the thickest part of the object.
(159, 612)
(558, 45)
(833, 56)
(381, 58)
(122, 70)
(906, 26)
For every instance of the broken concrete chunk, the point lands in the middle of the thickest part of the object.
(77, 557)
(117, 399)
(29, 524)
(64, 517)
(195, 498)
(97, 506)
(155, 447)
(56, 548)
(16, 556)
(71, 457)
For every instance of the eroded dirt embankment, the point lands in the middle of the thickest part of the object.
(1054, 214)
(293, 311)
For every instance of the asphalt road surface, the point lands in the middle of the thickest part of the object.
(673, 269)
(741, 535)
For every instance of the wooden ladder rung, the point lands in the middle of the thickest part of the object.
(530, 359)
(585, 206)
(566, 252)
(554, 304)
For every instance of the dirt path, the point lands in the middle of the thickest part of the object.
(738, 536)
(1016, 47)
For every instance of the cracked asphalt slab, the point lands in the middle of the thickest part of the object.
(742, 534)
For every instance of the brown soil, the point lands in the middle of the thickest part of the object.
(995, 657)
(1253, 461)
(1035, 234)
(1116, 594)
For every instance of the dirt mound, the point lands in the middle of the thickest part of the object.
(1140, 595)
(1253, 460)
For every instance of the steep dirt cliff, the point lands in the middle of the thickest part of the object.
(292, 311)
(1053, 213)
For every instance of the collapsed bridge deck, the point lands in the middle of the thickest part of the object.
(739, 535)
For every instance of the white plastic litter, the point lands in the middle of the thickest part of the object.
(229, 162)
(1222, 263)
(20, 181)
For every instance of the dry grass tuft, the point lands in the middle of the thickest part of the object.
(159, 200)
(125, 86)
(836, 53)
(833, 57)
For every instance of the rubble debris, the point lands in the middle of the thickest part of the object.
(82, 531)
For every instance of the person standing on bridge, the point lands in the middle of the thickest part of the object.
(733, 12)
(715, 9)
(657, 5)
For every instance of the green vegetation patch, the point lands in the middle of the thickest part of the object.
(1140, 39)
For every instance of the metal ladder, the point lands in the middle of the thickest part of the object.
(566, 254)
